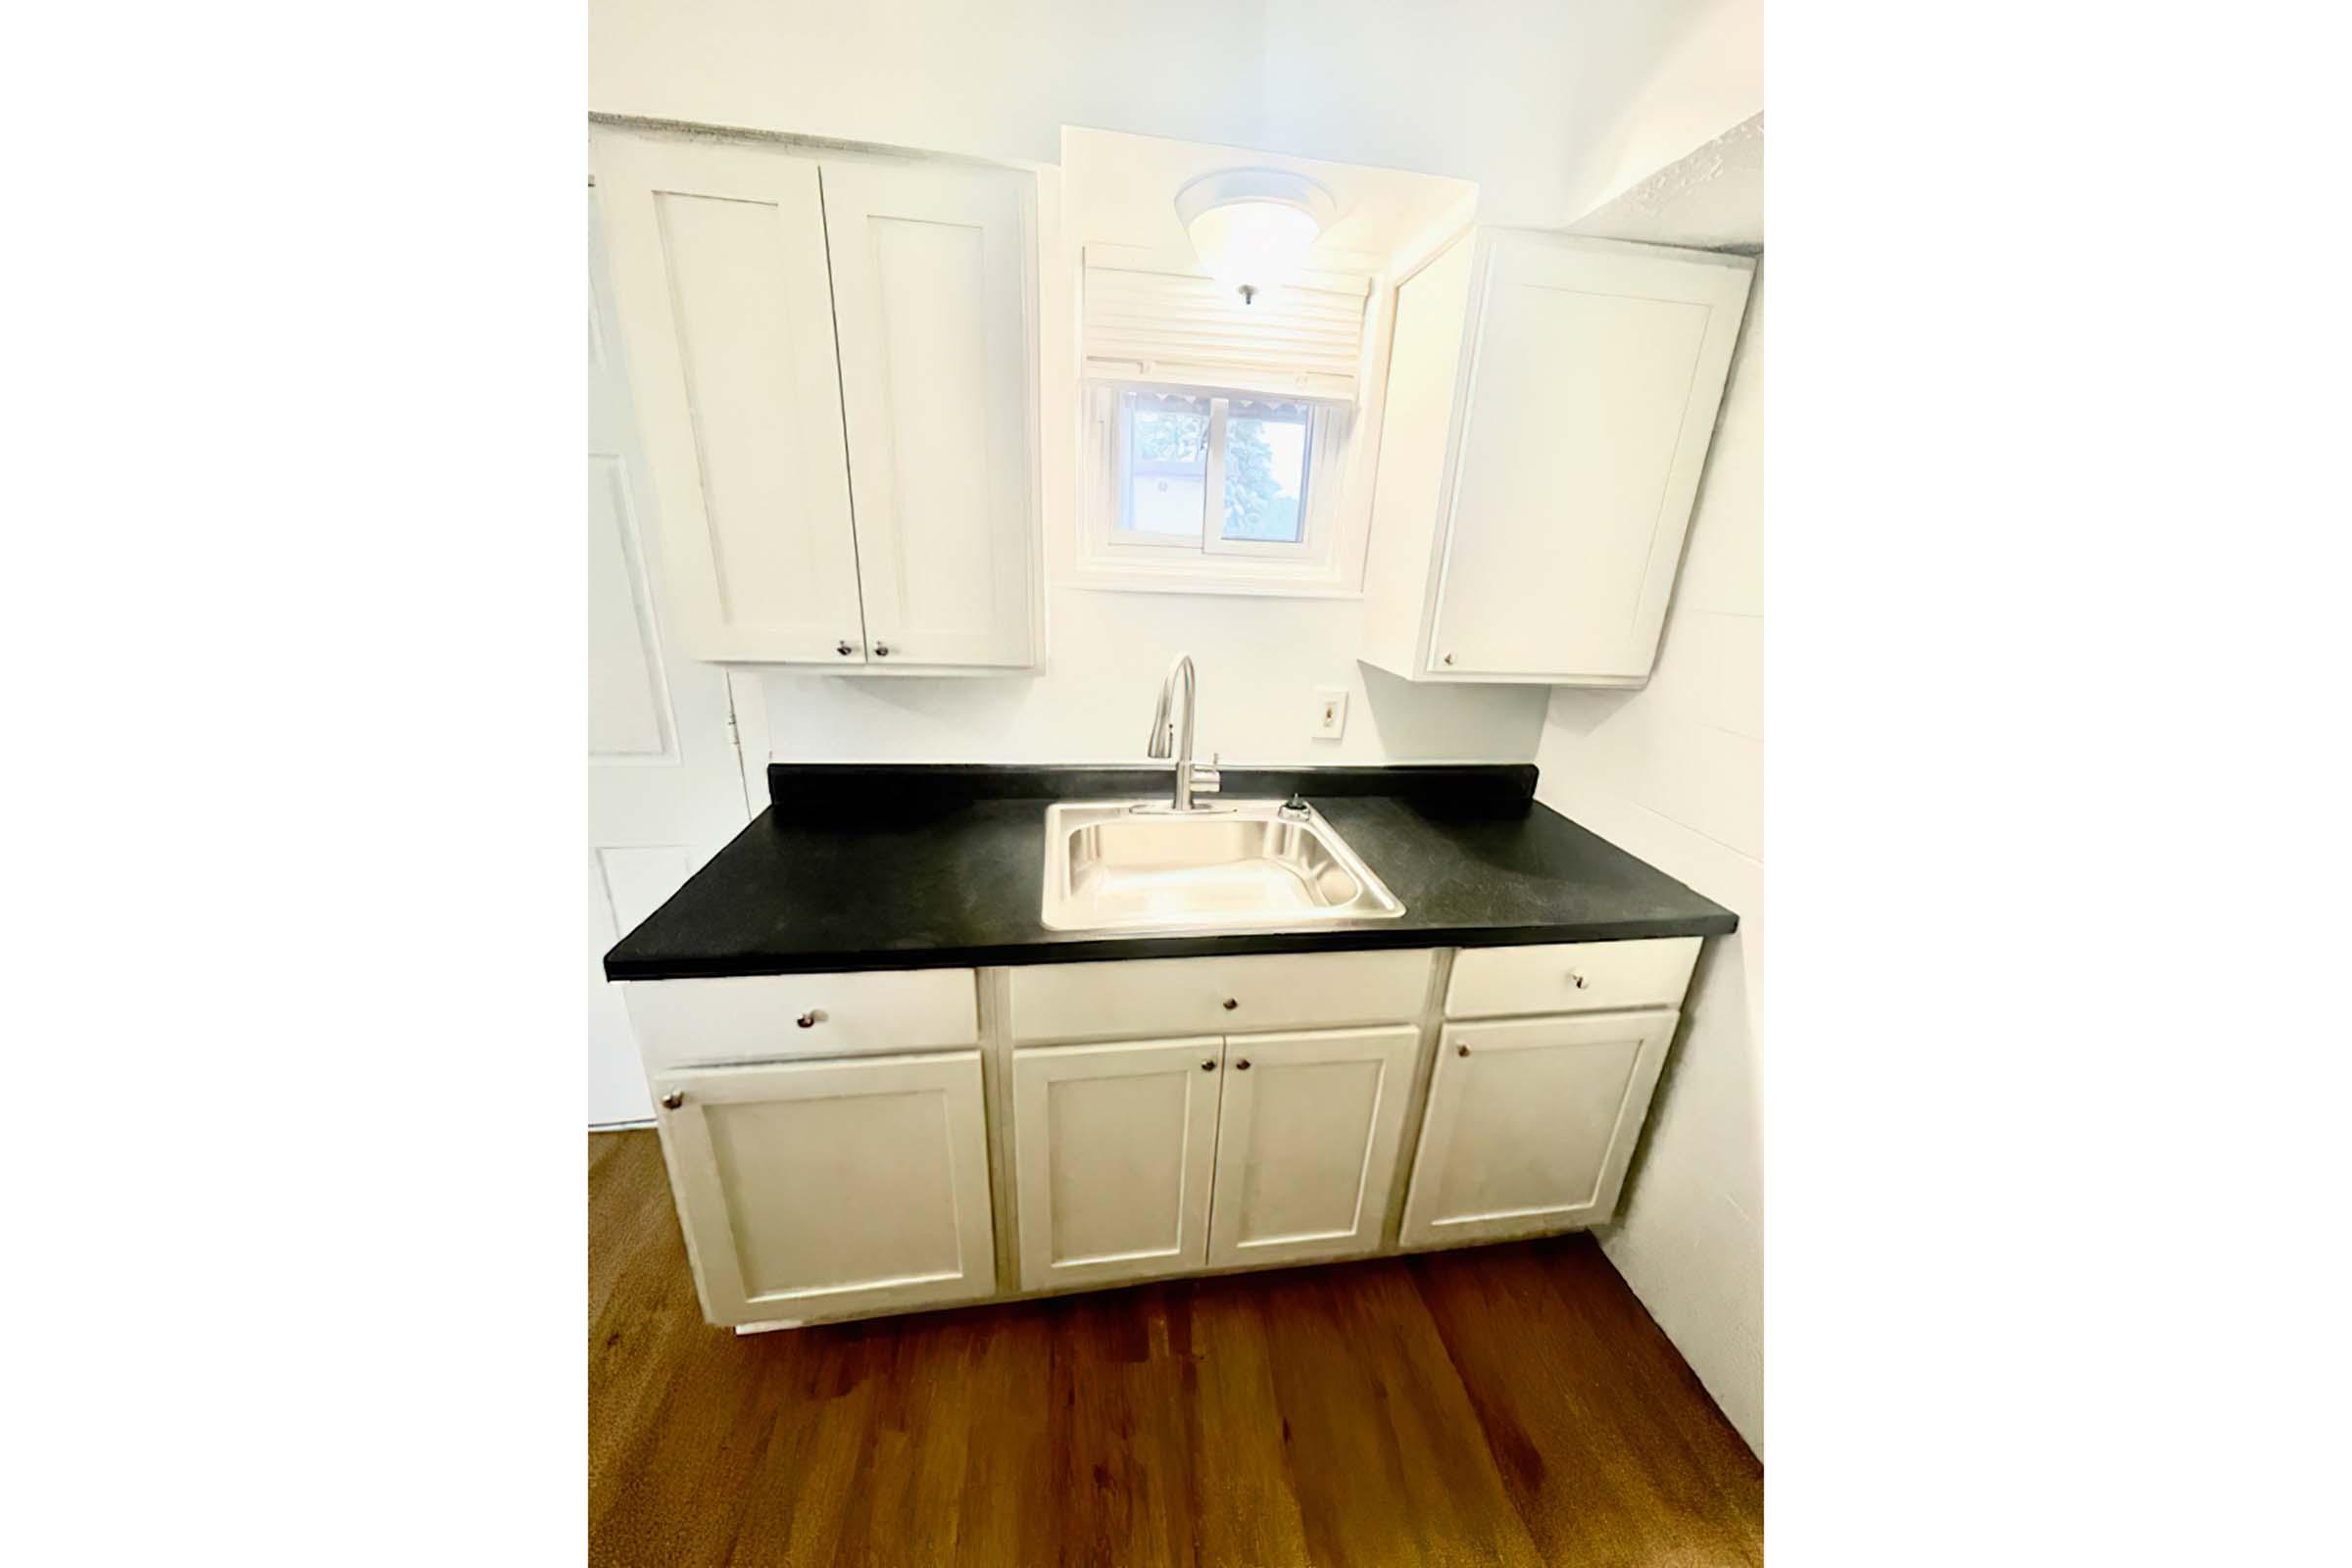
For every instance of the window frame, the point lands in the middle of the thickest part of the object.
(1324, 562)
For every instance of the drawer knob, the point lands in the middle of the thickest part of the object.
(1232, 1003)
(1208, 1064)
(811, 1019)
(672, 1100)
(881, 649)
(1576, 980)
(844, 648)
(1461, 1050)
(1242, 1065)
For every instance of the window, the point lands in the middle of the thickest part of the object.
(1212, 474)
(1216, 450)
(1226, 485)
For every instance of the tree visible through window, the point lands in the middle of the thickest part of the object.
(1266, 471)
(1175, 447)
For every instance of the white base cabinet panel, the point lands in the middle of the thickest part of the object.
(1257, 992)
(1531, 1124)
(1308, 1131)
(828, 1189)
(1112, 1152)
(845, 1171)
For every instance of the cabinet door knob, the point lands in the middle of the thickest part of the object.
(844, 648)
(1208, 1064)
(810, 1019)
(881, 649)
(1232, 1003)
(1461, 1050)
(1242, 1065)
(1449, 659)
(672, 1100)
(1576, 980)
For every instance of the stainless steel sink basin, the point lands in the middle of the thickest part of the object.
(1113, 867)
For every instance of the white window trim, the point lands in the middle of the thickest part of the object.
(1328, 563)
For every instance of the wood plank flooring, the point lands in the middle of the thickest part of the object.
(1504, 1405)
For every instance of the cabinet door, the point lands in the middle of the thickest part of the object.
(1112, 1150)
(819, 1189)
(719, 272)
(1593, 373)
(931, 289)
(1307, 1136)
(1530, 1123)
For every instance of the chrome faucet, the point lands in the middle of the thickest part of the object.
(1166, 741)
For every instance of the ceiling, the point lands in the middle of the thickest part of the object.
(1121, 189)
(1710, 199)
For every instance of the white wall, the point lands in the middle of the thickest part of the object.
(1531, 96)
(1551, 107)
(1260, 660)
(1673, 773)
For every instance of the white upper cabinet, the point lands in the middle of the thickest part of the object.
(719, 272)
(835, 358)
(1549, 404)
(930, 291)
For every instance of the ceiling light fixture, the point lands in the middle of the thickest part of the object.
(1253, 227)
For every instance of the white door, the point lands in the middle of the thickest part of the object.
(931, 291)
(665, 784)
(718, 270)
(824, 1188)
(1112, 1150)
(1594, 374)
(1530, 1123)
(1307, 1139)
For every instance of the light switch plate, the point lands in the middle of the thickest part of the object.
(1331, 714)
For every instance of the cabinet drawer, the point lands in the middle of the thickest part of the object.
(1570, 977)
(1216, 996)
(685, 1024)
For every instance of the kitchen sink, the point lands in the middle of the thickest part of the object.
(1134, 865)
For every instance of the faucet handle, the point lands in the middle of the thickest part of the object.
(1206, 780)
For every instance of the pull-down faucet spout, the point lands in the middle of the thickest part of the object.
(1167, 741)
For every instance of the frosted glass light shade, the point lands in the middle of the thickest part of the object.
(1252, 228)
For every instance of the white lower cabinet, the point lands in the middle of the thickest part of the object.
(823, 1189)
(848, 1174)
(1307, 1137)
(1531, 1124)
(1153, 1158)
(1112, 1150)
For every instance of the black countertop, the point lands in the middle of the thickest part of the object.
(857, 867)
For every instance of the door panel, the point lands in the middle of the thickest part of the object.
(1307, 1137)
(718, 260)
(818, 1189)
(1114, 1149)
(1531, 1124)
(1594, 378)
(665, 784)
(932, 289)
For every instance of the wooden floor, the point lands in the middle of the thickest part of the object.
(1508, 1405)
